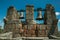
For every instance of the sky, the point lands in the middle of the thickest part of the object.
(21, 4)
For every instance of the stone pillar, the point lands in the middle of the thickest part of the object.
(47, 15)
(29, 14)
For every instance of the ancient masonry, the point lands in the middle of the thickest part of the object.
(29, 28)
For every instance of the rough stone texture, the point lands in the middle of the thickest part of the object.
(31, 38)
(30, 28)
(6, 35)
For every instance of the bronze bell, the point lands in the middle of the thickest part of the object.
(39, 17)
(21, 15)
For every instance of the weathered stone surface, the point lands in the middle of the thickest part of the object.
(30, 28)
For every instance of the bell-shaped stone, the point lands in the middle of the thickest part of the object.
(5, 19)
(21, 15)
(39, 14)
(39, 17)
